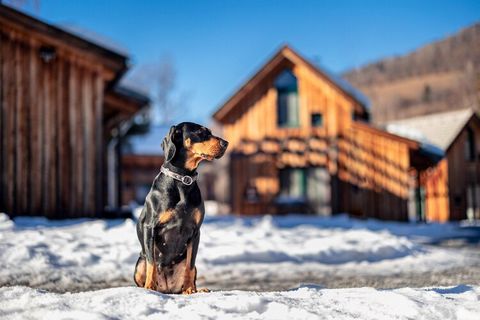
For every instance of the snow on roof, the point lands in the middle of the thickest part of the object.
(346, 86)
(129, 80)
(93, 37)
(439, 129)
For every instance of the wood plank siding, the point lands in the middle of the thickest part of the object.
(52, 114)
(138, 172)
(48, 134)
(356, 168)
(452, 187)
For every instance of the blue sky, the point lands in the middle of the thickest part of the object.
(216, 45)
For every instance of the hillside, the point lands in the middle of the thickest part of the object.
(443, 75)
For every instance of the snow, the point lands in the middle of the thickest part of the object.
(35, 251)
(305, 302)
(72, 255)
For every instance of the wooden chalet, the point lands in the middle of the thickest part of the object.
(300, 141)
(451, 189)
(60, 104)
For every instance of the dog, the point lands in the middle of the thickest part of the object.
(169, 226)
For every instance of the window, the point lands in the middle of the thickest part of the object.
(470, 149)
(317, 120)
(293, 183)
(287, 100)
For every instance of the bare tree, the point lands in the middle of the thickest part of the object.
(160, 79)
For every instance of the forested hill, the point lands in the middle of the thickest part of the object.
(443, 75)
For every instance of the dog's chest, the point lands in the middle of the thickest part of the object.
(174, 235)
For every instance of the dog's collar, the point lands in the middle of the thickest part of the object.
(186, 180)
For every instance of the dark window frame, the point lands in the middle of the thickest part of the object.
(470, 147)
(314, 123)
(288, 101)
(290, 172)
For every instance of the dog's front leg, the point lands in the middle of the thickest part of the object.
(190, 279)
(151, 269)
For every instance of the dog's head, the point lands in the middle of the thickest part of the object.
(192, 143)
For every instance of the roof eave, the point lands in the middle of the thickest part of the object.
(118, 61)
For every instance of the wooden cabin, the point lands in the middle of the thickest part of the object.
(450, 190)
(138, 173)
(60, 104)
(301, 142)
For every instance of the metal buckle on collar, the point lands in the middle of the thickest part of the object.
(187, 180)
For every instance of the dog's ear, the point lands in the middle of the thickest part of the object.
(168, 144)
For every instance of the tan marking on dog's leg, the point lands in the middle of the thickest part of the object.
(162, 283)
(166, 216)
(197, 216)
(150, 277)
(189, 278)
(140, 272)
(194, 276)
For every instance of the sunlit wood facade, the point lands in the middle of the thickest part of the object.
(339, 163)
(452, 187)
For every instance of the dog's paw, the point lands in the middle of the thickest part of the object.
(150, 286)
(203, 290)
(189, 291)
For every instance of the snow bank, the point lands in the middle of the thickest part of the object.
(306, 302)
(264, 241)
(36, 251)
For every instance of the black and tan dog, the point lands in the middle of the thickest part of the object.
(169, 225)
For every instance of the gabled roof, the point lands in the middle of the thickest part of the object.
(120, 98)
(440, 129)
(112, 58)
(287, 53)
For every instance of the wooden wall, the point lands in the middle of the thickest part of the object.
(369, 170)
(138, 171)
(369, 167)
(51, 136)
(256, 115)
(463, 172)
(373, 169)
(448, 183)
(435, 183)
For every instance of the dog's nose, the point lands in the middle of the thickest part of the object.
(223, 143)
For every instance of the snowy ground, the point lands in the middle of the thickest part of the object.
(261, 254)
(251, 254)
(306, 302)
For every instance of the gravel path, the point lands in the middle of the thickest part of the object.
(463, 275)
